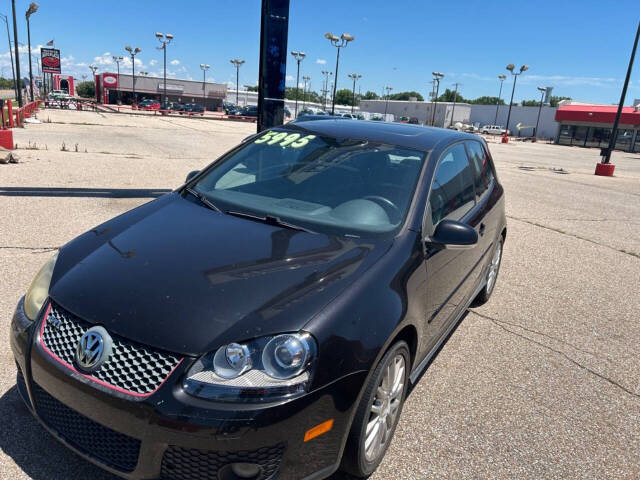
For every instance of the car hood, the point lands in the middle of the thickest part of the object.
(178, 276)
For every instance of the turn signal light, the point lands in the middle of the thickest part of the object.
(318, 430)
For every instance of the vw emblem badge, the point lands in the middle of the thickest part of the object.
(93, 349)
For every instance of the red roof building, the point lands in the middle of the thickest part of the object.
(591, 125)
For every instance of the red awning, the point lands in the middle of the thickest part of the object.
(597, 114)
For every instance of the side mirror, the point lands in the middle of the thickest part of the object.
(453, 235)
(192, 174)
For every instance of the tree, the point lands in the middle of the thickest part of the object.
(86, 89)
(344, 96)
(449, 95)
(485, 100)
(406, 96)
(530, 103)
(369, 95)
(553, 100)
(253, 89)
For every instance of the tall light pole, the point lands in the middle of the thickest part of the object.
(511, 67)
(17, 53)
(299, 56)
(614, 133)
(13, 70)
(118, 59)
(386, 104)
(502, 78)
(325, 88)
(237, 62)
(133, 52)
(354, 77)
(455, 97)
(543, 90)
(33, 8)
(340, 43)
(164, 41)
(204, 67)
(305, 79)
(437, 76)
(93, 69)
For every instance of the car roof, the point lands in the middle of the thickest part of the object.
(400, 134)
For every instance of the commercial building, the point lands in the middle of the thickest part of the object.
(588, 125)
(420, 111)
(522, 121)
(112, 88)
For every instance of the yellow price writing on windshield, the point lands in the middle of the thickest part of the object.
(284, 139)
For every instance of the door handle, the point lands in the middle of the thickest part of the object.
(482, 228)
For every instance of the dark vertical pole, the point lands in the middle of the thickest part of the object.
(453, 110)
(273, 63)
(353, 103)
(535, 132)
(237, 83)
(495, 121)
(295, 113)
(335, 84)
(13, 70)
(164, 47)
(515, 78)
(119, 87)
(435, 102)
(133, 77)
(17, 53)
(30, 71)
(614, 133)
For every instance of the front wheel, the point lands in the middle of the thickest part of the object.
(378, 413)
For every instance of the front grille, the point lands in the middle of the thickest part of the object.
(112, 448)
(131, 366)
(191, 464)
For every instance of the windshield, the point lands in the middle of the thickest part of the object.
(339, 186)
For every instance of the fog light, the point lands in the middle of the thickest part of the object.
(245, 470)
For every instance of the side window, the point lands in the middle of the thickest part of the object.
(482, 171)
(452, 193)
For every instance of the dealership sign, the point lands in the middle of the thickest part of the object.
(110, 80)
(50, 60)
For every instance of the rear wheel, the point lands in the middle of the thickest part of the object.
(378, 413)
(492, 274)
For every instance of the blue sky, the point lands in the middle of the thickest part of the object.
(580, 48)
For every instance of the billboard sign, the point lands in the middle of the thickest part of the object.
(110, 80)
(50, 60)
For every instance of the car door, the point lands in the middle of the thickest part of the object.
(451, 273)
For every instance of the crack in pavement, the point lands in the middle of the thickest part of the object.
(542, 335)
(557, 230)
(32, 249)
(498, 323)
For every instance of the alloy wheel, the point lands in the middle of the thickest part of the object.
(494, 266)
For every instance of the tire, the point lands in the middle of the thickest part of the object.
(358, 460)
(492, 274)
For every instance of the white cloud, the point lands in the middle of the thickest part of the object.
(289, 78)
(175, 62)
(321, 61)
(153, 63)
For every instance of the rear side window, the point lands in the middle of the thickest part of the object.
(452, 193)
(483, 173)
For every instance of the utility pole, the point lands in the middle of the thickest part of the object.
(13, 69)
(17, 53)
(455, 97)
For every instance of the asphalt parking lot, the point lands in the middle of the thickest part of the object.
(541, 382)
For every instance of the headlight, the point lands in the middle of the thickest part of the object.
(39, 289)
(265, 369)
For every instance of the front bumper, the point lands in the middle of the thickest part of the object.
(171, 435)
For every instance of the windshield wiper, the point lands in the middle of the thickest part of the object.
(203, 199)
(269, 220)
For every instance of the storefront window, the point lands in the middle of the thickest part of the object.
(623, 141)
(598, 137)
(565, 135)
(636, 145)
(579, 136)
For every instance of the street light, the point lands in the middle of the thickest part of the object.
(93, 69)
(118, 59)
(325, 88)
(13, 70)
(502, 78)
(33, 8)
(237, 62)
(355, 77)
(437, 76)
(304, 90)
(144, 74)
(386, 104)
(17, 53)
(339, 43)
(164, 40)
(543, 90)
(299, 56)
(511, 67)
(133, 52)
(204, 67)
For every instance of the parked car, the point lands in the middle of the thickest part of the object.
(149, 104)
(192, 108)
(493, 129)
(268, 317)
(172, 106)
(249, 111)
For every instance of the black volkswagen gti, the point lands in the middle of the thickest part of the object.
(264, 320)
